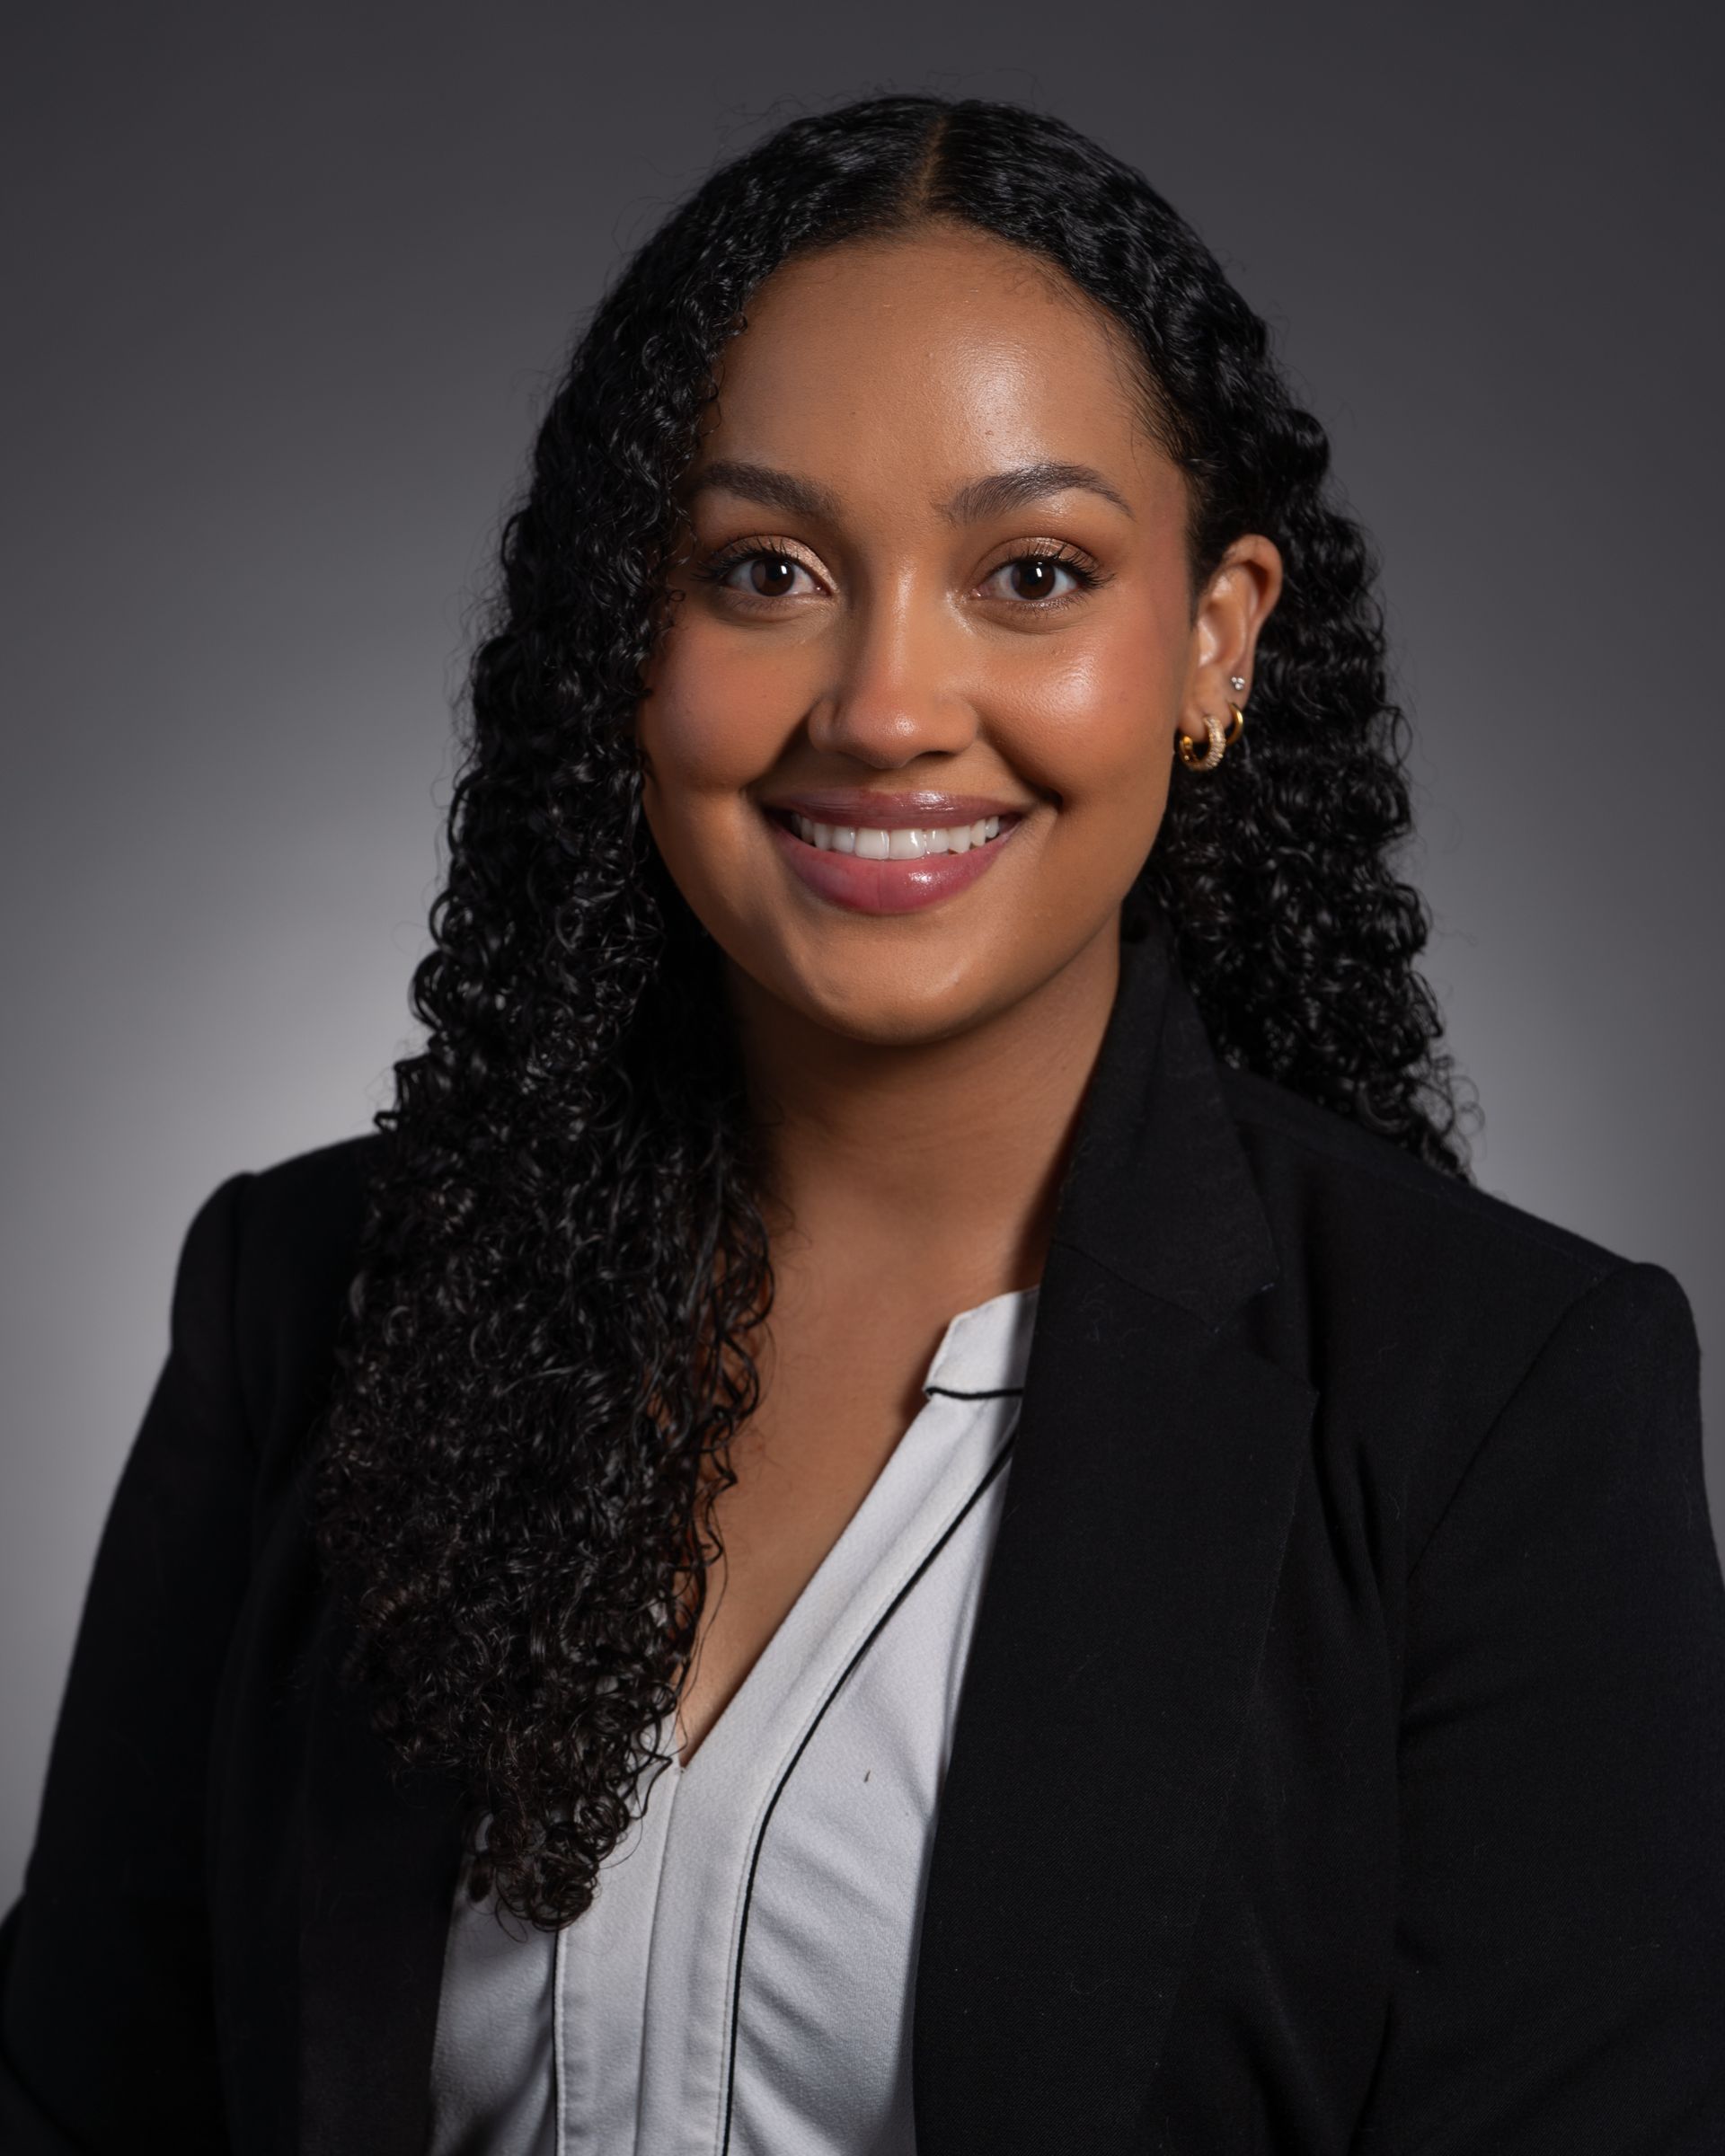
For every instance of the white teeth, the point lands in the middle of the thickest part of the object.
(903, 843)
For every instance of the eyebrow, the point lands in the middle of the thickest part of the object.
(1003, 490)
(991, 495)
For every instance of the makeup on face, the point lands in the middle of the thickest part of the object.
(880, 852)
(934, 612)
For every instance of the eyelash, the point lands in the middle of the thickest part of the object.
(717, 567)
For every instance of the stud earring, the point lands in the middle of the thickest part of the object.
(1221, 739)
(1236, 682)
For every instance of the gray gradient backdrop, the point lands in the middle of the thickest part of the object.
(283, 297)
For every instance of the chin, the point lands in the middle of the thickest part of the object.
(898, 1009)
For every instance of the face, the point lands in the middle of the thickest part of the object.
(934, 606)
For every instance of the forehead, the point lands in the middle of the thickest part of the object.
(930, 356)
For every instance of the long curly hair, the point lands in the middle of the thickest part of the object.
(546, 1353)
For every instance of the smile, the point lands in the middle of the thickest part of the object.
(868, 868)
(909, 844)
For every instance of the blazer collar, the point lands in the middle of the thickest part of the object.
(1151, 1484)
(1119, 1632)
(1157, 1188)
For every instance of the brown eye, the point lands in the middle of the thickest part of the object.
(1034, 579)
(759, 574)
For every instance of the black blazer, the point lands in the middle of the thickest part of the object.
(1341, 1763)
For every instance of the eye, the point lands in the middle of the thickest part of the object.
(1033, 578)
(757, 572)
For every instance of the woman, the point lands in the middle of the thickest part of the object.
(907, 1501)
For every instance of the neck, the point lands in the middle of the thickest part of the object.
(932, 1166)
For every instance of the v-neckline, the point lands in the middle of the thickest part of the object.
(653, 1971)
(983, 1349)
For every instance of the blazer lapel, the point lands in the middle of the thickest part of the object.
(381, 1859)
(332, 1885)
(1152, 1482)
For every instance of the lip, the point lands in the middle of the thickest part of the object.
(890, 887)
(923, 808)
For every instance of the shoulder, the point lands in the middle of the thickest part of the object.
(1421, 1307)
(271, 1257)
(297, 1223)
(1328, 1184)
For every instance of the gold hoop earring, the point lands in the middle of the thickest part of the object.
(1221, 739)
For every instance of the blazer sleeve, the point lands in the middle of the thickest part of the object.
(1560, 1956)
(107, 2033)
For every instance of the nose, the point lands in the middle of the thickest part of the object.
(898, 690)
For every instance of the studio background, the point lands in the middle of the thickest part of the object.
(285, 293)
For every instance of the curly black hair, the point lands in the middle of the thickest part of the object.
(546, 1351)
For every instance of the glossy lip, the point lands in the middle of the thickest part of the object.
(891, 886)
(923, 809)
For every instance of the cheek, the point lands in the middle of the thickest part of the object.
(1098, 732)
(717, 713)
(711, 721)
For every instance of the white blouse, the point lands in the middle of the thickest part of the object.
(741, 1985)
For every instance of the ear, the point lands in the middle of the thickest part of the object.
(1232, 608)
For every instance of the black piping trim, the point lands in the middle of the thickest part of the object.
(994, 1466)
(1005, 1392)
